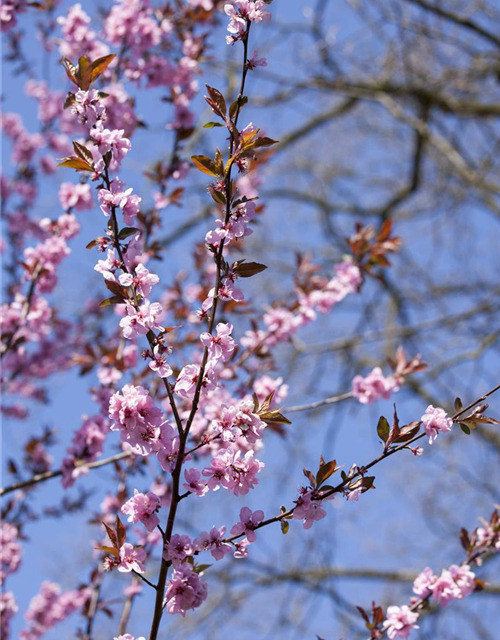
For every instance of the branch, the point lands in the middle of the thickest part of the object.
(42, 477)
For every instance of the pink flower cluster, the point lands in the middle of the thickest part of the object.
(282, 323)
(236, 227)
(308, 507)
(46, 258)
(454, 583)
(86, 446)
(213, 541)
(186, 590)
(141, 424)
(9, 11)
(75, 196)
(131, 558)
(8, 609)
(240, 13)
(142, 507)
(249, 521)
(51, 607)
(234, 472)
(374, 386)
(78, 39)
(10, 550)
(435, 420)
(117, 197)
(400, 622)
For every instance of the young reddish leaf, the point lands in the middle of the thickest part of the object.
(248, 269)
(107, 302)
(70, 69)
(325, 471)
(274, 416)
(205, 165)
(99, 66)
(310, 476)
(83, 153)
(458, 405)
(216, 101)
(127, 232)
(116, 289)
(120, 530)
(264, 142)
(111, 534)
(74, 162)
(112, 550)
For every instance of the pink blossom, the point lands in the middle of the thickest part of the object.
(140, 321)
(241, 548)
(131, 559)
(307, 509)
(51, 607)
(114, 141)
(422, 586)
(400, 622)
(86, 446)
(220, 346)
(159, 363)
(88, 108)
(249, 521)
(117, 196)
(373, 387)
(229, 470)
(8, 609)
(137, 419)
(142, 507)
(10, 550)
(255, 61)
(435, 420)
(194, 483)
(464, 579)
(142, 280)
(185, 590)
(75, 196)
(178, 548)
(187, 380)
(213, 541)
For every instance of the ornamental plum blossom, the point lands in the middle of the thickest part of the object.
(249, 521)
(400, 622)
(229, 470)
(8, 609)
(213, 541)
(422, 586)
(241, 11)
(185, 590)
(86, 446)
(194, 483)
(373, 387)
(75, 196)
(88, 108)
(435, 420)
(117, 196)
(51, 607)
(131, 559)
(178, 548)
(137, 419)
(159, 362)
(308, 509)
(220, 346)
(10, 550)
(142, 507)
(139, 321)
(141, 279)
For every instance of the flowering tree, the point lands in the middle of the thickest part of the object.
(184, 365)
